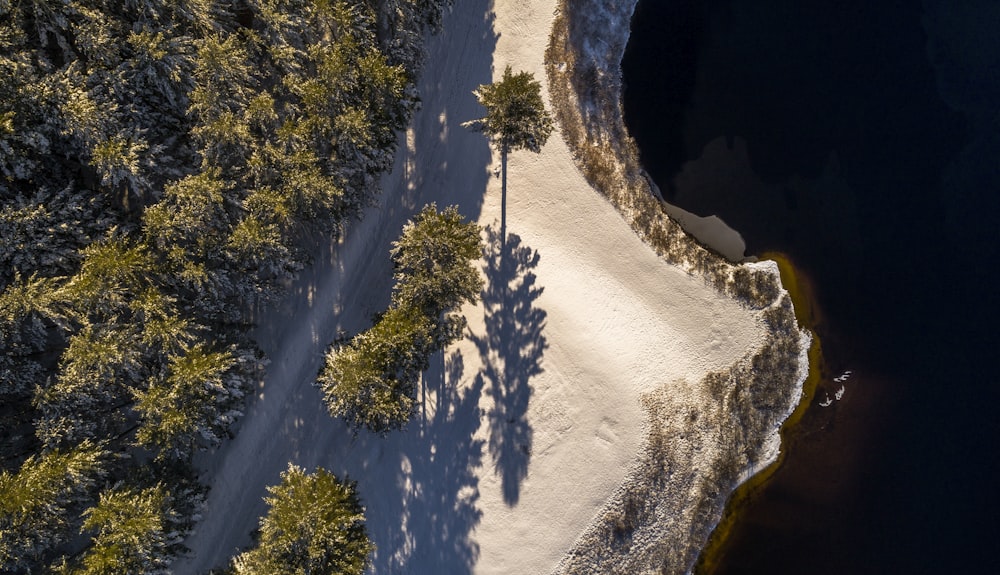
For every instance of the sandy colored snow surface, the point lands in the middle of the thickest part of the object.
(530, 424)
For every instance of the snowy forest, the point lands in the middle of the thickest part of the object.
(162, 167)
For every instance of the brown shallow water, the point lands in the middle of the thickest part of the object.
(776, 530)
(825, 453)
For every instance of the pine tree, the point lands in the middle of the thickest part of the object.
(27, 310)
(22, 136)
(434, 272)
(515, 114)
(188, 230)
(224, 85)
(402, 25)
(192, 404)
(37, 503)
(371, 381)
(44, 232)
(515, 119)
(163, 330)
(133, 533)
(314, 526)
(257, 249)
(112, 272)
(97, 370)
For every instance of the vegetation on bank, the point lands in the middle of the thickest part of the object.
(585, 86)
(160, 167)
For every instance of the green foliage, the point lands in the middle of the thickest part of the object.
(314, 525)
(224, 84)
(132, 532)
(95, 373)
(27, 310)
(434, 273)
(43, 232)
(37, 503)
(371, 381)
(22, 134)
(38, 296)
(117, 161)
(515, 114)
(192, 215)
(160, 165)
(188, 405)
(257, 249)
(113, 270)
(162, 327)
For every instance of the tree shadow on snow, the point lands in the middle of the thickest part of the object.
(511, 353)
(449, 164)
(426, 478)
(436, 482)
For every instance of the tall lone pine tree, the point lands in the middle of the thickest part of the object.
(515, 119)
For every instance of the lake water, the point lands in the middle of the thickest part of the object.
(862, 139)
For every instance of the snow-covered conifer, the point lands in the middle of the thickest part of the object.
(314, 524)
(37, 502)
(434, 272)
(190, 405)
(371, 381)
(132, 532)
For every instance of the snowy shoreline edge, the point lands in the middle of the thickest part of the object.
(662, 516)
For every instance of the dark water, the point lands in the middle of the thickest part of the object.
(861, 138)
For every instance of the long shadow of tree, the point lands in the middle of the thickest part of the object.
(436, 480)
(511, 352)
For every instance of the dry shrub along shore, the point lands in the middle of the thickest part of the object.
(693, 458)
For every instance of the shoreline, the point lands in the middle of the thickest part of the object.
(585, 89)
(803, 299)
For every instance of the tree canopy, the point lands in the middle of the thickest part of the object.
(133, 533)
(39, 504)
(371, 380)
(515, 113)
(162, 166)
(433, 272)
(314, 526)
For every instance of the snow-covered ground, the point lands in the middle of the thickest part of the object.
(530, 424)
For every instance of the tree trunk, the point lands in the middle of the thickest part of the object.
(503, 196)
